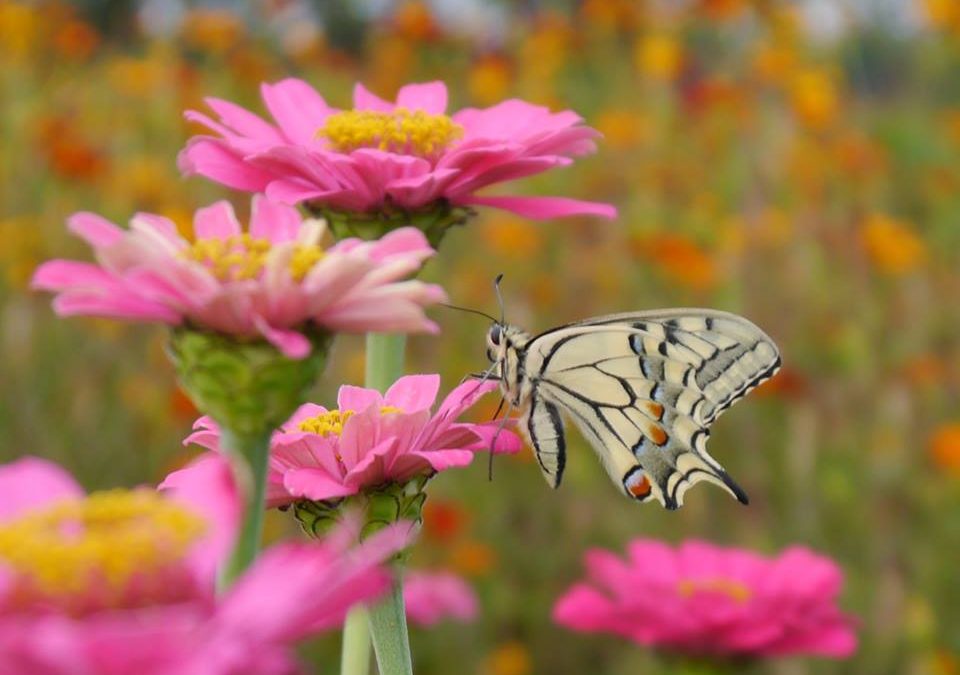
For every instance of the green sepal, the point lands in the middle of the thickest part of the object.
(246, 386)
(433, 220)
(380, 507)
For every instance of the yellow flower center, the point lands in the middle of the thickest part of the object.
(735, 590)
(109, 549)
(332, 422)
(401, 131)
(243, 256)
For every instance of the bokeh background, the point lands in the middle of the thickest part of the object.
(796, 162)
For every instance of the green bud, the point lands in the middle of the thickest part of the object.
(433, 220)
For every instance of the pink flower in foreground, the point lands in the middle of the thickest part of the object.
(700, 599)
(272, 281)
(371, 440)
(121, 582)
(433, 596)
(407, 154)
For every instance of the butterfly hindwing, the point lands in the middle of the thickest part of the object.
(644, 389)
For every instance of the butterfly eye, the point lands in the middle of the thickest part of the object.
(495, 334)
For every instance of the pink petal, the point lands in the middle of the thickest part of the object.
(274, 221)
(95, 230)
(207, 486)
(364, 100)
(441, 460)
(315, 484)
(413, 393)
(298, 108)
(216, 221)
(431, 97)
(213, 158)
(243, 121)
(292, 344)
(543, 208)
(402, 241)
(31, 483)
(358, 399)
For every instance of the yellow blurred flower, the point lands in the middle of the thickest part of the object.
(212, 30)
(814, 97)
(21, 252)
(390, 60)
(943, 14)
(773, 62)
(658, 56)
(489, 79)
(892, 244)
(545, 50)
(509, 658)
(472, 558)
(612, 15)
(133, 76)
(944, 448)
(19, 25)
(512, 238)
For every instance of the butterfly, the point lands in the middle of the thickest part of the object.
(643, 388)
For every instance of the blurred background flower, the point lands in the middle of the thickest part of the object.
(794, 161)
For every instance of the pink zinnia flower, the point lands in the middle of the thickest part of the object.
(384, 155)
(273, 281)
(431, 597)
(371, 440)
(121, 582)
(700, 599)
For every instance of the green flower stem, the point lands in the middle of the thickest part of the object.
(355, 653)
(388, 626)
(248, 455)
(388, 620)
(384, 359)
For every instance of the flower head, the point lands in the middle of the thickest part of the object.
(273, 281)
(122, 581)
(371, 440)
(703, 600)
(431, 597)
(380, 156)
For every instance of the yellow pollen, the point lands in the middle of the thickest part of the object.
(243, 256)
(401, 131)
(100, 550)
(332, 422)
(735, 590)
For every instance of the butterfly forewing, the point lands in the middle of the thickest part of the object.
(643, 389)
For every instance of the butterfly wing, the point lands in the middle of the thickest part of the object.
(644, 389)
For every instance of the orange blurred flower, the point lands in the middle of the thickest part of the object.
(212, 30)
(181, 407)
(924, 370)
(623, 128)
(511, 237)
(443, 519)
(67, 152)
(658, 56)
(414, 20)
(722, 9)
(944, 447)
(678, 258)
(612, 15)
(76, 40)
(489, 79)
(943, 14)
(773, 62)
(472, 558)
(789, 383)
(21, 252)
(19, 25)
(509, 658)
(892, 244)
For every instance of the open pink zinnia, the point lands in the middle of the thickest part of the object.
(272, 281)
(371, 440)
(407, 155)
(700, 599)
(431, 597)
(121, 582)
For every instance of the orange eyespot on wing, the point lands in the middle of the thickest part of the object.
(651, 408)
(637, 484)
(656, 434)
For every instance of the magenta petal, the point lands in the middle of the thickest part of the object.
(543, 208)
(441, 460)
(216, 221)
(315, 484)
(413, 393)
(431, 97)
(30, 483)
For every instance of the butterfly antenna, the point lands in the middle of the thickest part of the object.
(468, 310)
(496, 288)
